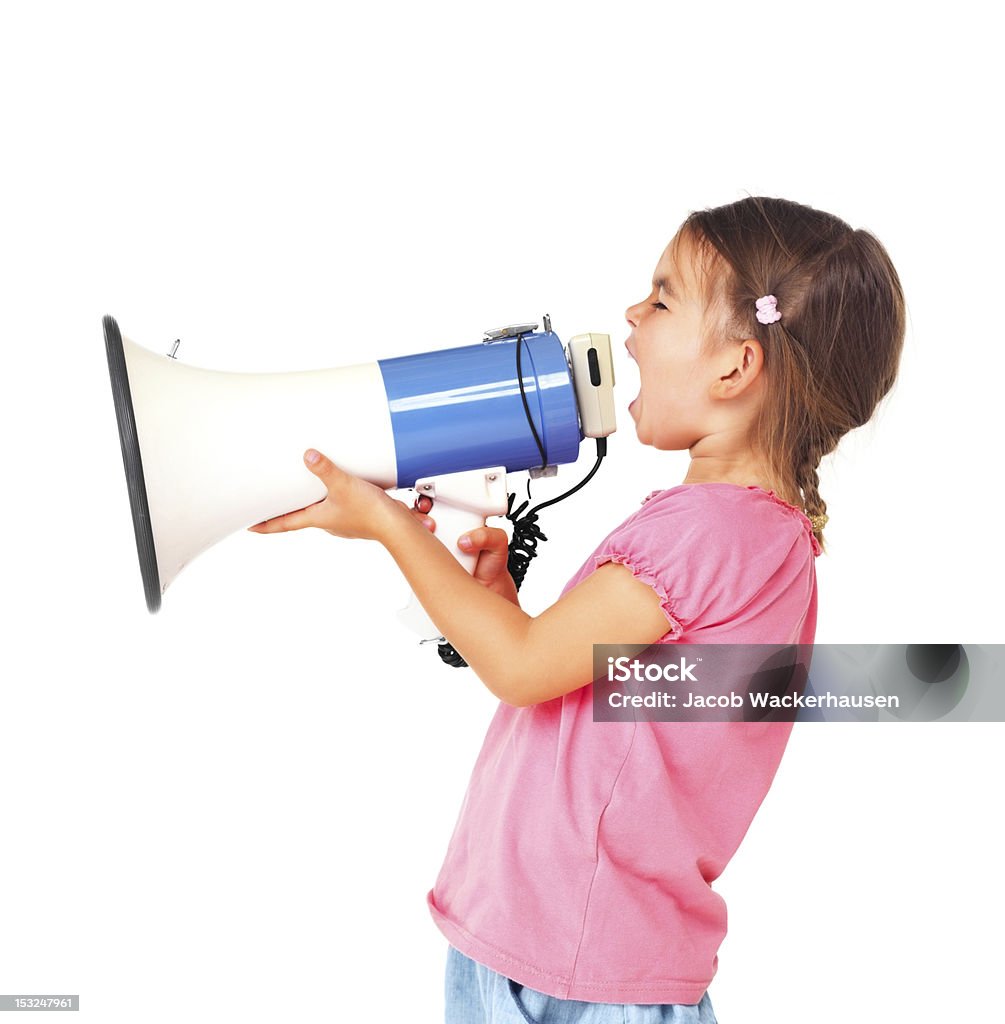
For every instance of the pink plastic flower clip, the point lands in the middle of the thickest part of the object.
(767, 309)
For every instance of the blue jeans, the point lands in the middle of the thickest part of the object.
(476, 995)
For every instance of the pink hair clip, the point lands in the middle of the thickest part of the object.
(767, 309)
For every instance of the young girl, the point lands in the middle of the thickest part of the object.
(577, 883)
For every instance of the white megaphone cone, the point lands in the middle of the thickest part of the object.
(217, 452)
(208, 453)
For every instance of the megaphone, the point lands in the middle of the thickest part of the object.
(207, 453)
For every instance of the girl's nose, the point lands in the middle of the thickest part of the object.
(632, 314)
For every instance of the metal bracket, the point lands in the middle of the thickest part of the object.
(504, 333)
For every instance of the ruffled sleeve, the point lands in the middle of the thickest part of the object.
(641, 570)
(723, 560)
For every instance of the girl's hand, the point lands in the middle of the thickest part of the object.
(492, 547)
(353, 508)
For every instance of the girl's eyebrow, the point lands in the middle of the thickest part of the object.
(662, 282)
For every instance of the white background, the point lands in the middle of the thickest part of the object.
(233, 810)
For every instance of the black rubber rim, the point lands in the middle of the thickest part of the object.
(132, 463)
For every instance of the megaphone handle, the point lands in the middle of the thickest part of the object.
(451, 522)
(461, 502)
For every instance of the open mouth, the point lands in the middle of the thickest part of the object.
(632, 369)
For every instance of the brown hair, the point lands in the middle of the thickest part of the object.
(834, 353)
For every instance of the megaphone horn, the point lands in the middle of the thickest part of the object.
(207, 453)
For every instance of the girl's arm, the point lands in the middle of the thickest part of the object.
(522, 659)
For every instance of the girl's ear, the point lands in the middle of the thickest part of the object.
(738, 365)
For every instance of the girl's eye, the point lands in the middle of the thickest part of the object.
(657, 305)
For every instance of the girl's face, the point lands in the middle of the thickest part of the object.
(673, 409)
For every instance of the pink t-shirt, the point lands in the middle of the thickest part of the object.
(582, 859)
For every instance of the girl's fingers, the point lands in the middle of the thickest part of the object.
(427, 522)
(299, 520)
(484, 538)
(320, 465)
(423, 503)
(493, 547)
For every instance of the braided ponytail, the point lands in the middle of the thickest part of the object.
(808, 483)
